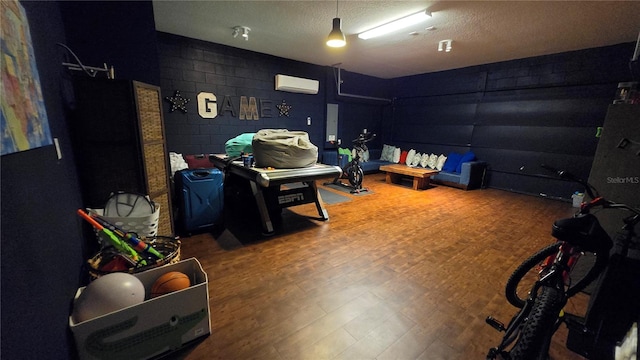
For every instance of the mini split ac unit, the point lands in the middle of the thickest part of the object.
(296, 85)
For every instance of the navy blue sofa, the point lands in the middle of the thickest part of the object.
(471, 176)
(331, 157)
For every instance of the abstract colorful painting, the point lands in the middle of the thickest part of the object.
(23, 117)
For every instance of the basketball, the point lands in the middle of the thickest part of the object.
(170, 282)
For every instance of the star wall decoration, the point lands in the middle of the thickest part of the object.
(284, 109)
(178, 102)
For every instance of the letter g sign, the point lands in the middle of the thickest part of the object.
(207, 107)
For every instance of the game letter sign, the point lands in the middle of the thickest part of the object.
(207, 107)
(248, 109)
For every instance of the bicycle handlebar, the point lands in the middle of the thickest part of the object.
(597, 200)
(362, 139)
(591, 191)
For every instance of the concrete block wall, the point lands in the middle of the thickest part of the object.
(192, 66)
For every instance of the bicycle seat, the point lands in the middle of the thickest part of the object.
(584, 231)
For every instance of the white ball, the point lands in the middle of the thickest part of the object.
(106, 294)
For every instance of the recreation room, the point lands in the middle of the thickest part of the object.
(411, 189)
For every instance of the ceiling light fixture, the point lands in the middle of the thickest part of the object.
(237, 30)
(336, 37)
(395, 25)
(445, 45)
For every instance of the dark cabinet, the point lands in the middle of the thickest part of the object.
(119, 143)
(615, 172)
(613, 305)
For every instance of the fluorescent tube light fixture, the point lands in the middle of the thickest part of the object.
(395, 25)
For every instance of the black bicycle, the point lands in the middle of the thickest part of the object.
(353, 171)
(528, 334)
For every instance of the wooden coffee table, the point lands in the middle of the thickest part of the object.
(395, 173)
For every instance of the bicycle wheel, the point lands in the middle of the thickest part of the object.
(535, 335)
(356, 176)
(523, 277)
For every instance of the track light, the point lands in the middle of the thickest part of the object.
(395, 25)
(445, 45)
(336, 37)
(241, 30)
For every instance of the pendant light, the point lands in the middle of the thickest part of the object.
(336, 37)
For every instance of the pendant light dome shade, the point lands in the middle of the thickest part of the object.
(336, 37)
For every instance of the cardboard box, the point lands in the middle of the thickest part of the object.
(153, 327)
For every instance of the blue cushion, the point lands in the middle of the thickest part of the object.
(453, 159)
(447, 176)
(468, 156)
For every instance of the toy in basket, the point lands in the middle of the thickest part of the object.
(127, 252)
(110, 260)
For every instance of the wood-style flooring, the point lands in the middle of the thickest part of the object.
(395, 274)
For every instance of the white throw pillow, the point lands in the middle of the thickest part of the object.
(410, 156)
(424, 160)
(433, 161)
(390, 151)
(362, 156)
(396, 155)
(416, 159)
(413, 159)
(441, 160)
(387, 153)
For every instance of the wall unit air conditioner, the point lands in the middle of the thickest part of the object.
(296, 85)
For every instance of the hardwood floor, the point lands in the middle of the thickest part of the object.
(397, 273)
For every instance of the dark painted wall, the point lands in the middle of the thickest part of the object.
(515, 115)
(119, 33)
(193, 66)
(360, 107)
(42, 244)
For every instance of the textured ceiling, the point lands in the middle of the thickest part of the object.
(482, 31)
